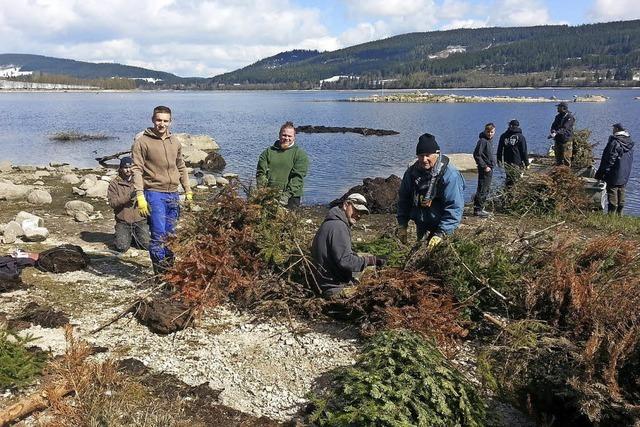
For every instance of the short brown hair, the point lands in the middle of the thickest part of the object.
(286, 125)
(161, 109)
(489, 126)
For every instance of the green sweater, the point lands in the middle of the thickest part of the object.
(283, 169)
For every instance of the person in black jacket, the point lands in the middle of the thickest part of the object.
(615, 167)
(483, 154)
(561, 133)
(512, 152)
(331, 249)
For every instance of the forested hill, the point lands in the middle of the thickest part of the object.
(43, 65)
(606, 53)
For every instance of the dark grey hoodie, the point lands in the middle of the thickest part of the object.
(332, 253)
(617, 159)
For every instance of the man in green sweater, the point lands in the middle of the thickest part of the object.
(284, 166)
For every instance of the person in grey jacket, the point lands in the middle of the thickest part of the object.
(615, 167)
(331, 249)
(561, 132)
(483, 155)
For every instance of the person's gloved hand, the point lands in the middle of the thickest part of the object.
(401, 234)
(380, 262)
(189, 196)
(143, 206)
(433, 242)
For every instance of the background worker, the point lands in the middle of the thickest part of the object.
(561, 133)
(284, 166)
(130, 225)
(431, 194)
(615, 167)
(158, 168)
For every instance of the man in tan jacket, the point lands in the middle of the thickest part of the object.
(158, 168)
(130, 225)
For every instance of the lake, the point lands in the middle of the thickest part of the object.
(246, 122)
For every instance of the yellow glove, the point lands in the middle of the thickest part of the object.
(401, 234)
(435, 241)
(189, 196)
(143, 206)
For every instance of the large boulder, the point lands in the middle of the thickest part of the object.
(89, 181)
(11, 191)
(70, 178)
(193, 156)
(381, 194)
(213, 162)
(201, 142)
(23, 216)
(78, 206)
(98, 190)
(39, 197)
(464, 162)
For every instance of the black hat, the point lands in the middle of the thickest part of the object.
(126, 162)
(562, 104)
(618, 126)
(427, 144)
(514, 122)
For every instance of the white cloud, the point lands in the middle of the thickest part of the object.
(517, 13)
(389, 7)
(611, 10)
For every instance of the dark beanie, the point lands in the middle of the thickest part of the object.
(514, 122)
(126, 161)
(427, 144)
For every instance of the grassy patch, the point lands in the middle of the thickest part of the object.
(626, 225)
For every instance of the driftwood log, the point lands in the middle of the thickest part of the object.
(35, 402)
(103, 160)
(332, 129)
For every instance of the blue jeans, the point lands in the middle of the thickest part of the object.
(164, 212)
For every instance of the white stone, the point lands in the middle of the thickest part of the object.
(209, 179)
(106, 178)
(65, 169)
(22, 215)
(81, 216)
(193, 156)
(40, 174)
(38, 183)
(27, 168)
(39, 197)
(78, 206)
(193, 182)
(5, 166)
(79, 192)
(70, 178)
(35, 234)
(222, 181)
(201, 142)
(11, 191)
(98, 190)
(230, 175)
(12, 231)
(89, 181)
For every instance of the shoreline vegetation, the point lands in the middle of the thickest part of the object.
(426, 97)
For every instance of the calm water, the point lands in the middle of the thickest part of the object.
(244, 123)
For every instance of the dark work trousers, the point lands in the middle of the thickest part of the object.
(615, 196)
(563, 152)
(126, 234)
(484, 185)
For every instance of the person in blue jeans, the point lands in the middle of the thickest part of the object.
(158, 169)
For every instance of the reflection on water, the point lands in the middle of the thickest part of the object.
(244, 123)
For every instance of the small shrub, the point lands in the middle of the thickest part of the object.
(386, 247)
(18, 366)
(400, 380)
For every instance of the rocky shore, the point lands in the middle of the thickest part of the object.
(425, 97)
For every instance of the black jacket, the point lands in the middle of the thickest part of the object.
(512, 148)
(484, 152)
(332, 253)
(617, 159)
(563, 126)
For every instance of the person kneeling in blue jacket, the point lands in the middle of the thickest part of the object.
(431, 194)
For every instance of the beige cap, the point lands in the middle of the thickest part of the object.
(358, 201)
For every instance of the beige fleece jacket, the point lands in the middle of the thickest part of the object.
(158, 163)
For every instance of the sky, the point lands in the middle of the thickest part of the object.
(204, 38)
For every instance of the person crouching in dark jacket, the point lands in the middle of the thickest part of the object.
(483, 155)
(331, 249)
(130, 225)
(615, 167)
(512, 152)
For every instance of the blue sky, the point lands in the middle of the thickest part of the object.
(208, 37)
